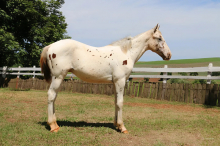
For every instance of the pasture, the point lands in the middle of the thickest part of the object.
(181, 63)
(198, 62)
(87, 119)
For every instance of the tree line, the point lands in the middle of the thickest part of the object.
(28, 26)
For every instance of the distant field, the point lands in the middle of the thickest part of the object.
(182, 63)
(200, 62)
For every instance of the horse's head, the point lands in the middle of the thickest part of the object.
(157, 44)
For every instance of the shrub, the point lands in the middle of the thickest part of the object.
(216, 74)
(146, 80)
(182, 73)
(193, 74)
(179, 81)
(200, 81)
(213, 82)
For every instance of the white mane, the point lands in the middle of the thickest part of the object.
(124, 43)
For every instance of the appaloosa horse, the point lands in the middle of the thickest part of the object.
(109, 64)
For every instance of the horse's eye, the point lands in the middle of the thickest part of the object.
(159, 39)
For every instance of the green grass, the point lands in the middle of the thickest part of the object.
(182, 62)
(87, 119)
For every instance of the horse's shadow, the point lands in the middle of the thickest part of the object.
(79, 124)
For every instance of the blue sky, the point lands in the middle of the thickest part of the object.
(190, 28)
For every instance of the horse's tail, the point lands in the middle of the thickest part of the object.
(44, 65)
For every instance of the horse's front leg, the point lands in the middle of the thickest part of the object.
(119, 90)
(52, 94)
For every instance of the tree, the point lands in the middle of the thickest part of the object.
(26, 27)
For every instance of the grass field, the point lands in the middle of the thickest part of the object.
(182, 63)
(200, 62)
(86, 119)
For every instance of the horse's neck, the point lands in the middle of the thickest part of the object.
(139, 44)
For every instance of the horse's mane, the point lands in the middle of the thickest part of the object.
(124, 43)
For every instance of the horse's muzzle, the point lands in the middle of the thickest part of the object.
(167, 57)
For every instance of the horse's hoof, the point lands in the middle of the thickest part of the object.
(125, 132)
(55, 130)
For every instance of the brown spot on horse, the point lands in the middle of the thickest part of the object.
(50, 56)
(124, 62)
(53, 55)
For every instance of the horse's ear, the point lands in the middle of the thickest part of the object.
(156, 28)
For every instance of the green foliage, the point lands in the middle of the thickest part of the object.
(200, 81)
(169, 73)
(216, 74)
(26, 27)
(193, 74)
(146, 80)
(213, 82)
(178, 81)
(182, 73)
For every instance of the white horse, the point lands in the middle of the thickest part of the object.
(109, 64)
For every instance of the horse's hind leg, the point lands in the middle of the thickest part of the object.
(52, 94)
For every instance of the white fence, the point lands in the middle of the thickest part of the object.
(209, 69)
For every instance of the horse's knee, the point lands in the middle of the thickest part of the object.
(51, 95)
(119, 104)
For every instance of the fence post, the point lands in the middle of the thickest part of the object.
(4, 71)
(34, 71)
(165, 73)
(18, 76)
(164, 83)
(209, 73)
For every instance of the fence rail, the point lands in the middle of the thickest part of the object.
(209, 69)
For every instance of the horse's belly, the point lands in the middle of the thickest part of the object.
(93, 76)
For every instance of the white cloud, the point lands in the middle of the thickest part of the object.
(99, 23)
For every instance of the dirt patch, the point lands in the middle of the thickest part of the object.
(174, 138)
(152, 80)
(186, 108)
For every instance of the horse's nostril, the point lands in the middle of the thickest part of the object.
(169, 55)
